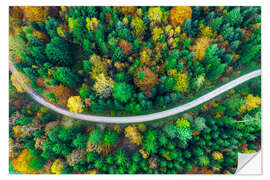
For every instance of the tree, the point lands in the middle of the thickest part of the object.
(125, 46)
(80, 141)
(200, 47)
(121, 158)
(30, 73)
(96, 136)
(199, 122)
(154, 14)
(103, 85)
(122, 92)
(145, 79)
(37, 163)
(216, 24)
(75, 104)
(133, 135)
(150, 141)
(233, 17)
(67, 77)
(181, 82)
(111, 137)
(22, 162)
(118, 55)
(179, 14)
(58, 52)
(57, 166)
(215, 73)
(35, 13)
(138, 27)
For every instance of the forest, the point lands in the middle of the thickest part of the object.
(131, 60)
(126, 61)
(205, 140)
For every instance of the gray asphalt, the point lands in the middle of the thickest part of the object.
(139, 118)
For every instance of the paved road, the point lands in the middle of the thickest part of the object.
(139, 118)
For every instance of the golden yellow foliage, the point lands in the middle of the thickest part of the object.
(179, 14)
(75, 104)
(206, 31)
(181, 82)
(103, 85)
(157, 33)
(144, 153)
(22, 78)
(128, 10)
(252, 102)
(133, 135)
(155, 15)
(98, 67)
(92, 24)
(145, 56)
(35, 13)
(21, 163)
(200, 47)
(217, 155)
(93, 171)
(57, 166)
(39, 142)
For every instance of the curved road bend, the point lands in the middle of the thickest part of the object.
(139, 118)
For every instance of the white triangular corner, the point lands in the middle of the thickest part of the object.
(249, 164)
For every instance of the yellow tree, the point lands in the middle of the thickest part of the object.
(252, 102)
(154, 15)
(92, 24)
(22, 78)
(181, 82)
(21, 163)
(157, 34)
(35, 13)
(179, 14)
(145, 56)
(57, 166)
(133, 135)
(217, 155)
(200, 47)
(75, 104)
(103, 85)
(98, 67)
(138, 27)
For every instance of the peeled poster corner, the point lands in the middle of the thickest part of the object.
(249, 164)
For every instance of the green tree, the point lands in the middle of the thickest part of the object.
(122, 92)
(111, 137)
(96, 136)
(80, 141)
(67, 77)
(58, 52)
(121, 158)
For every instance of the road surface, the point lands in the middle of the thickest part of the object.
(138, 118)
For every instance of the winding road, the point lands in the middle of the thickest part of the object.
(138, 118)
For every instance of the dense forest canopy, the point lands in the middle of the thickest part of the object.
(131, 59)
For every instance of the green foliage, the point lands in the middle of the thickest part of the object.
(67, 77)
(122, 92)
(58, 52)
(96, 136)
(110, 137)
